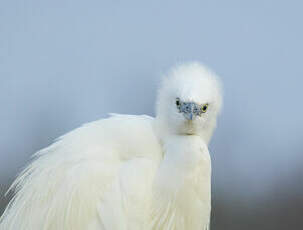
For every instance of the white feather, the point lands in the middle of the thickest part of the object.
(125, 172)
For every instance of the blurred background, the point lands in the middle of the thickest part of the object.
(64, 63)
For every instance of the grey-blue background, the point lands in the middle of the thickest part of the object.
(64, 62)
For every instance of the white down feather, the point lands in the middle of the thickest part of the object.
(125, 172)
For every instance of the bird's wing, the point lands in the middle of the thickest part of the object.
(96, 177)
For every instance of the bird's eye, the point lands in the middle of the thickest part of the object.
(177, 102)
(204, 108)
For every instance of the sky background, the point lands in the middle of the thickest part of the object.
(64, 63)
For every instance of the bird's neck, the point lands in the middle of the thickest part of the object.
(181, 188)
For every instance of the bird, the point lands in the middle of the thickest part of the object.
(128, 172)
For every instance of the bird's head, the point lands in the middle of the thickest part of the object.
(189, 101)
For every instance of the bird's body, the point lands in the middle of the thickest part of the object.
(122, 173)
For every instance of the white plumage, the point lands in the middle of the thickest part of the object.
(127, 172)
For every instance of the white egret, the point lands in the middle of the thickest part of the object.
(127, 172)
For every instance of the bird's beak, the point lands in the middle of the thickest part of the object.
(189, 116)
(189, 112)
